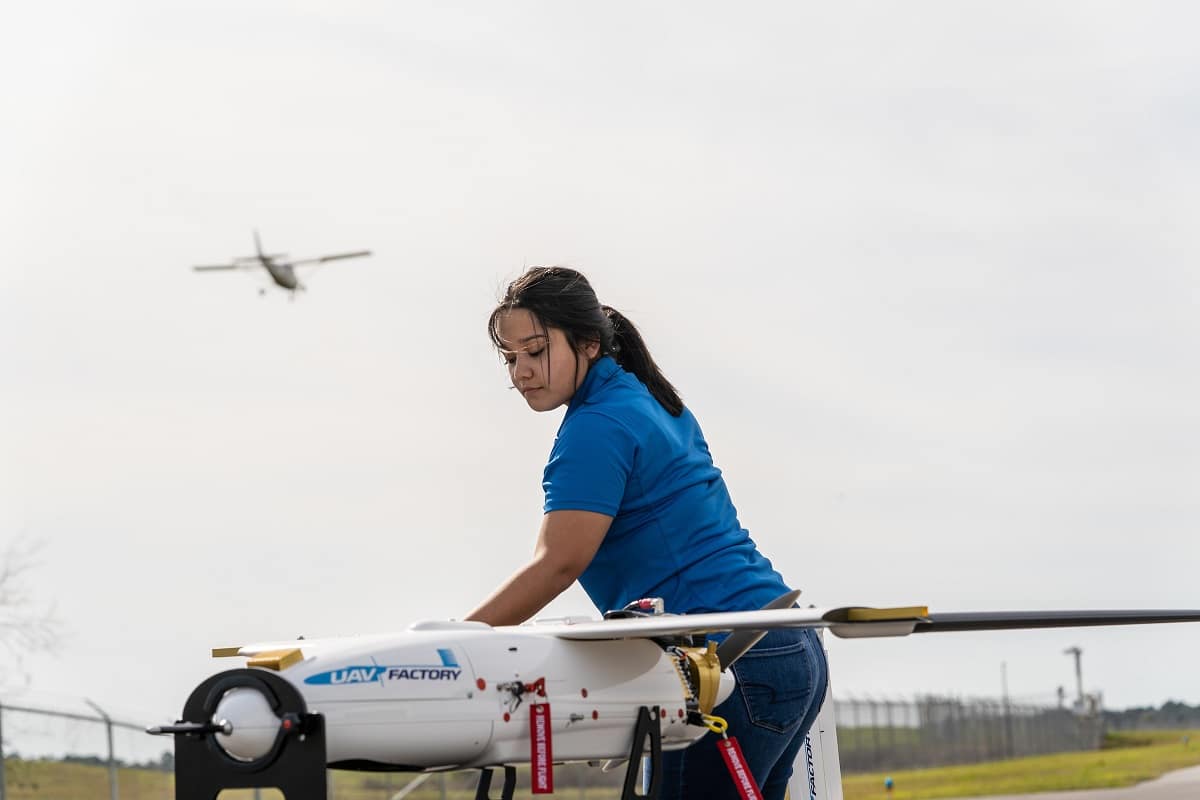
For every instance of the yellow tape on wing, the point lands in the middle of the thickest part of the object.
(276, 659)
(885, 614)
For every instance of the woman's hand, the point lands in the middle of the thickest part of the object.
(566, 545)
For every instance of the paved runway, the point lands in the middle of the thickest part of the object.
(1182, 784)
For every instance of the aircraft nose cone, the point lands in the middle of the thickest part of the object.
(254, 724)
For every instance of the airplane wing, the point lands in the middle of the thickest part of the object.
(859, 622)
(847, 622)
(209, 267)
(315, 645)
(335, 257)
(1012, 620)
(257, 260)
(310, 645)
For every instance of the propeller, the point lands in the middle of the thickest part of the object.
(737, 643)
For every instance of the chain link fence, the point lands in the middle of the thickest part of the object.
(56, 754)
(931, 731)
(81, 752)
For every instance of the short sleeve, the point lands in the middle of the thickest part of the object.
(589, 464)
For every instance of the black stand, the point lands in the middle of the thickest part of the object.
(485, 784)
(646, 728)
(295, 763)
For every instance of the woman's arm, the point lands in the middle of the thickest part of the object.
(566, 544)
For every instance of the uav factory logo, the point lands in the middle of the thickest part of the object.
(448, 670)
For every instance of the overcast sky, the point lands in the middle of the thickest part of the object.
(926, 273)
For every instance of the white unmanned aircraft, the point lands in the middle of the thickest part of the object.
(457, 695)
(281, 271)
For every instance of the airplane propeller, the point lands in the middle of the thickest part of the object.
(737, 643)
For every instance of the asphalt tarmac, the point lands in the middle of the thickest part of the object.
(1182, 784)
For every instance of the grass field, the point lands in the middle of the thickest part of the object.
(1127, 759)
(56, 780)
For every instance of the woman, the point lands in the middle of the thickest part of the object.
(635, 508)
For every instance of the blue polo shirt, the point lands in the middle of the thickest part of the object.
(675, 532)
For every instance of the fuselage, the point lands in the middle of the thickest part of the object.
(282, 274)
(460, 696)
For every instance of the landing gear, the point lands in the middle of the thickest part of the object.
(485, 784)
(646, 735)
(646, 729)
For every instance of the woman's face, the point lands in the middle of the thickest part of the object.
(541, 364)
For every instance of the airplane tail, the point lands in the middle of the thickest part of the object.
(817, 772)
(257, 244)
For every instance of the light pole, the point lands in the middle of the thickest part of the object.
(1075, 651)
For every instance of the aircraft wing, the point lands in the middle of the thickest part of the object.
(334, 257)
(859, 622)
(317, 645)
(207, 267)
(1011, 620)
(310, 645)
(848, 622)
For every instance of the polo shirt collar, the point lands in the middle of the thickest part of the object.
(600, 373)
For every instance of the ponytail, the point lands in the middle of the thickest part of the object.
(562, 298)
(629, 350)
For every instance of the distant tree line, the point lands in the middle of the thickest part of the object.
(1172, 714)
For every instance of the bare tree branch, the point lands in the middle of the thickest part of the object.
(25, 627)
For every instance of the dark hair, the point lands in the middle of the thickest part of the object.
(560, 297)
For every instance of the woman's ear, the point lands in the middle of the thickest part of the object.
(591, 349)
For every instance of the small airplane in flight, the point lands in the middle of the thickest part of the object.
(282, 272)
(447, 695)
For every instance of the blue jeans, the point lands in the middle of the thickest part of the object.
(780, 686)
